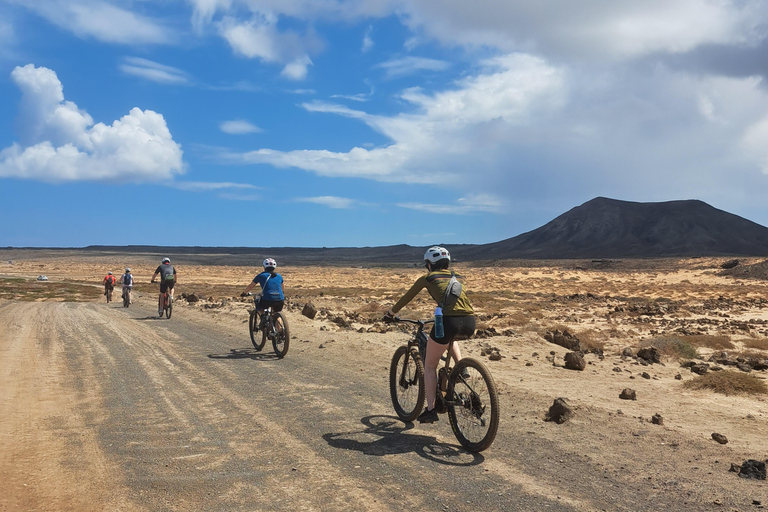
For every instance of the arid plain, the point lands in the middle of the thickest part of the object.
(690, 310)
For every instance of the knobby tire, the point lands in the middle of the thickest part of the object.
(282, 337)
(473, 408)
(408, 398)
(253, 328)
(168, 306)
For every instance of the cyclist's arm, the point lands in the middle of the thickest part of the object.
(420, 284)
(153, 277)
(249, 287)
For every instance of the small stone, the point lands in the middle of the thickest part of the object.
(645, 375)
(678, 377)
(529, 363)
(560, 411)
(495, 356)
(309, 311)
(720, 438)
(656, 419)
(628, 394)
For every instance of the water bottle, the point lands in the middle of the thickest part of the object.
(439, 331)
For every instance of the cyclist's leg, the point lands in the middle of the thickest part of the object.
(160, 298)
(434, 351)
(170, 288)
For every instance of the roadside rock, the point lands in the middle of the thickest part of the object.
(729, 264)
(700, 368)
(628, 394)
(574, 361)
(656, 419)
(560, 411)
(649, 354)
(720, 438)
(564, 339)
(753, 469)
(309, 311)
(192, 298)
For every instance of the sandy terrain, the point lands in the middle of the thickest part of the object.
(609, 305)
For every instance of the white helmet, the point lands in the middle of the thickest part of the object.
(127, 269)
(436, 253)
(166, 260)
(109, 273)
(269, 262)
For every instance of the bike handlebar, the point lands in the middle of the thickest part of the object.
(408, 320)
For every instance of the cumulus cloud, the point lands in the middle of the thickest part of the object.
(154, 71)
(100, 20)
(60, 142)
(239, 127)
(298, 69)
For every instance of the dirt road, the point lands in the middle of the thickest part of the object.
(106, 408)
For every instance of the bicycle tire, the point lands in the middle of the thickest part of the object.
(407, 404)
(282, 337)
(253, 329)
(126, 300)
(169, 307)
(472, 424)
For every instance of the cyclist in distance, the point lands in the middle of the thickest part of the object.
(458, 320)
(272, 288)
(167, 281)
(109, 284)
(127, 281)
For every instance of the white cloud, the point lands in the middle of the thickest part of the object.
(205, 186)
(367, 40)
(59, 142)
(339, 203)
(396, 68)
(474, 203)
(100, 20)
(298, 69)
(239, 127)
(154, 71)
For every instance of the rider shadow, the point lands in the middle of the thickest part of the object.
(154, 317)
(386, 435)
(245, 353)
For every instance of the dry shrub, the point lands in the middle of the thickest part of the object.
(729, 383)
(756, 344)
(673, 347)
(371, 307)
(715, 342)
(589, 340)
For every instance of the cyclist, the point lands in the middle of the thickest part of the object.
(458, 320)
(167, 281)
(127, 281)
(109, 285)
(272, 288)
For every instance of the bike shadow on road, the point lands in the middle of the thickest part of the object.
(387, 435)
(246, 353)
(154, 317)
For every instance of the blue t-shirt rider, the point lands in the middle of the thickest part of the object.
(272, 287)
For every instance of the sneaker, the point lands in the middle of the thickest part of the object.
(159, 312)
(464, 374)
(428, 416)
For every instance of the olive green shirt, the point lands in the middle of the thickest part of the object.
(436, 285)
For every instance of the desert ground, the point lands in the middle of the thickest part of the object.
(107, 408)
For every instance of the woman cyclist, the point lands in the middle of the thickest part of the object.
(459, 319)
(272, 288)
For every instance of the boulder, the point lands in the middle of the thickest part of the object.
(729, 264)
(649, 354)
(192, 298)
(560, 411)
(628, 394)
(753, 469)
(574, 361)
(309, 311)
(564, 339)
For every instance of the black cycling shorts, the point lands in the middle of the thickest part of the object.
(276, 305)
(455, 326)
(166, 285)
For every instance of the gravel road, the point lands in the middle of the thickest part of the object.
(107, 408)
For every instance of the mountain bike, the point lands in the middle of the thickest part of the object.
(268, 324)
(466, 391)
(126, 296)
(108, 292)
(167, 304)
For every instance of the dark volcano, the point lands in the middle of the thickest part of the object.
(608, 228)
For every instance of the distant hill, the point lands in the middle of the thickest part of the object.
(609, 228)
(600, 228)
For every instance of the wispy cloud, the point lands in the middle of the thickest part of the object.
(206, 186)
(367, 40)
(475, 203)
(341, 203)
(100, 20)
(239, 127)
(361, 97)
(404, 66)
(153, 71)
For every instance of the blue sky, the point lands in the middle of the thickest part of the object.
(369, 122)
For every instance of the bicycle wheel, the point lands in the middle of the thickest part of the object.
(168, 306)
(406, 383)
(126, 300)
(253, 329)
(473, 407)
(282, 337)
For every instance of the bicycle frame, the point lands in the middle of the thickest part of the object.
(442, 380)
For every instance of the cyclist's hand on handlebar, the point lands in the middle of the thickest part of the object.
(389, 317)
(244, 294)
